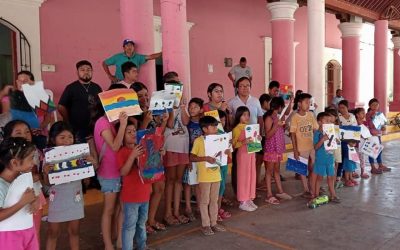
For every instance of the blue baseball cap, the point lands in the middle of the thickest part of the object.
(127, 41)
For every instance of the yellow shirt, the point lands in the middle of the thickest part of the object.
(236, 134)
(204, 174)
(304, 127)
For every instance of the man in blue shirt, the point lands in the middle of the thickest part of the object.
(128, 55)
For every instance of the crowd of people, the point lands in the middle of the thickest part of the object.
(130, 206)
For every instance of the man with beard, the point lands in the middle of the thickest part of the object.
(76, 99)
(129, 55)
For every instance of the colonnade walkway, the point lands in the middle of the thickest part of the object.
(367, 218)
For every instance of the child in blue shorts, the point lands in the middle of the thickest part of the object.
(324, 160)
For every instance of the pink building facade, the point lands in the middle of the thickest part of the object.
(72, 30)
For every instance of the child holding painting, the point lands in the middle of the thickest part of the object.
(65, 200)
(195, 111)
(246, 162)
(135, 194)
(208, 178)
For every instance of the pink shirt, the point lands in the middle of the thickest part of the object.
(108, 167)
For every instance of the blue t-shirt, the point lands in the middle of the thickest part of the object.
(194, 132)
(121, 58)
(321, 155)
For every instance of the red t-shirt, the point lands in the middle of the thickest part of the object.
(133, 189)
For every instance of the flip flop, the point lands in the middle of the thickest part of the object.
(224, 214)
(183, 219)
(159, 226)
(272, 200)
(172, 221)
(150, 229)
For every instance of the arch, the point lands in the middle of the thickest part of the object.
(22, 49)
(333, 71)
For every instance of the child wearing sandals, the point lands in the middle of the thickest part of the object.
(372, 112)
(208, 178)
(176, 160)
(302, 125)
(195, 111)
(222, 214)
(274, 149)
(360, 117)
(346, 119)
(246, 163)
(135, 194)
(324, 160)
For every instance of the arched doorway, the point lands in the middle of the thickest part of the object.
(15, 52)
(333, 79)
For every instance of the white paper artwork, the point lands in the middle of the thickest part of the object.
(329, 130)
(22, 219)
(215, 146)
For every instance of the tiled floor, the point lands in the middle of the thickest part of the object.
(367, 218)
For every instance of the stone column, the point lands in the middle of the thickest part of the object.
(395, 105)
(351, 33)
(138, 26)
(282, 23)
(175, 40)
(380, 64)
(316, 45)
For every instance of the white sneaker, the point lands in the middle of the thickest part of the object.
(245, 206)
(251, 203)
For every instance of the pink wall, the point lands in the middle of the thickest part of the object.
(71, 31)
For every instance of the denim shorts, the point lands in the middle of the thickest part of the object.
(110, 185)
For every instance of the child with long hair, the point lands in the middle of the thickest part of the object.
(65, 200)
(222, 214)
(16, 221)
(176, 160)
(370, 116)
(274, 149)
(108, 141)
(19, 128)
(246, 163)
(360, 117)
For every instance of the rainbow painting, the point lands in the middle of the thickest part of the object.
(120, 100)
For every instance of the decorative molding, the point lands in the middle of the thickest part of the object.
(27, 3)
(158, 27)
(282, 10)
(350, 29)
(396, 42)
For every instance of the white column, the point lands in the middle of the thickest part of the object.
(316, 44)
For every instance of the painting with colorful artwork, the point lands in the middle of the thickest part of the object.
(150, 163)
(331, 143)
(214, 113)
(38, 99)
(253, 131)
(379, 120)
(215, 146)
(348, 133)
(298, 166)
(371, 147)
(69, 163)
(353, 155)
(177, 89)
(286, 91)
(161, 101)
(116, 101)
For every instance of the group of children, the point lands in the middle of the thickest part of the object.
(130, 206)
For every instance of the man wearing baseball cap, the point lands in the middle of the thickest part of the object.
(128, 55)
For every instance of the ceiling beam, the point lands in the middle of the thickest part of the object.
(368, 15)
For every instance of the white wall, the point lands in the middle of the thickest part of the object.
(24, 14)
